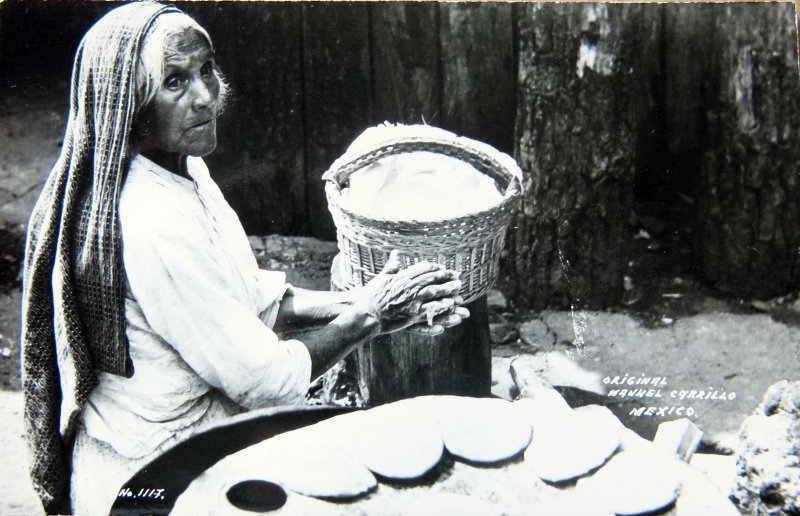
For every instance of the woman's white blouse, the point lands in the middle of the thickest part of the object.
(199, 316)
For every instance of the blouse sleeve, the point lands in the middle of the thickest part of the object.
(185, 293)
(272, 286)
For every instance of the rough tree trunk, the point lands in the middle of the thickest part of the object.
(748, 227)
(686, 53)
(583, 90)
(666, 183)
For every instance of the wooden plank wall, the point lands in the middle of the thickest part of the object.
(308, 78)
(260, 160)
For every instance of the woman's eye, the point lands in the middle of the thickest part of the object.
(175, 81)
(207, 69)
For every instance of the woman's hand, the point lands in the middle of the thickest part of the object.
(423, 297)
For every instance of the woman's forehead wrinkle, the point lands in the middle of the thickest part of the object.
(181, 48)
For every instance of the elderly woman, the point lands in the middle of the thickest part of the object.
(145, 316)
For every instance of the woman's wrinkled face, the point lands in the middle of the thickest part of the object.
(182, 117)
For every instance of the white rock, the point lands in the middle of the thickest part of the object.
(496, 301)
(555, 369)
(536, 333)
(503, 385)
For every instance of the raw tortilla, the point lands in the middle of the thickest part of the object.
(420, 186)
(634, 483)
(574, 443)
(700, 496)
(306, 467)
(394, 441)
(483, 430)
(300, 465)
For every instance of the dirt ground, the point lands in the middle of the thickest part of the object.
(670, 326)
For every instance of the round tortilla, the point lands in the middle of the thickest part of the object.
(396, 441)
(634, 483)
(574, 443)
(482, 430)
(305, 467)
(292, 461)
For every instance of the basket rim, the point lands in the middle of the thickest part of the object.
(506, 204)
(501, 163)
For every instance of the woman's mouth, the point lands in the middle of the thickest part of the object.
(201, 125)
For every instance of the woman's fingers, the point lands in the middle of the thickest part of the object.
(440, 322)
(420, 269)
(419, 274)
(440, 290)
(431, 309)
(424, 329)
(447, 320)
(433, 278)
(461, 311)
(392, 263)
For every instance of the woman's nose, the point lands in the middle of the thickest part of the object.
(203, 94)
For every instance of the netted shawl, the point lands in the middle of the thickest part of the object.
(73, 320)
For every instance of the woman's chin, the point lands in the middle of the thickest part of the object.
(201, 151)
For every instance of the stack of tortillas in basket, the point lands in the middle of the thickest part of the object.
(440, 454)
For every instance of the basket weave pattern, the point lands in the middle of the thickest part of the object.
(469, 244)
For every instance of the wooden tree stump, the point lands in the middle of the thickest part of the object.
(747, 236)
(405, 364)
(584, 90)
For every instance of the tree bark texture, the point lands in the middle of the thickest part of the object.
(687, 57)
(584, 92)
(748, 228)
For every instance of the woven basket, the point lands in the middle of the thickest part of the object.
(469, 244)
